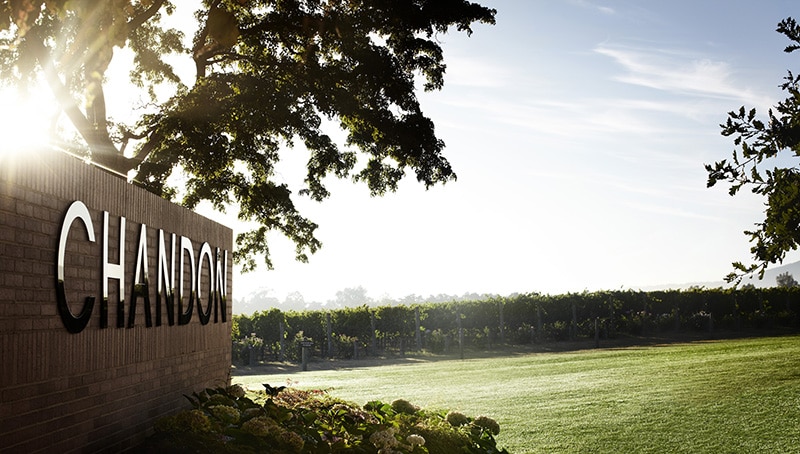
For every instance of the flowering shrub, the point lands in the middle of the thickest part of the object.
(456, 419)
(404, 406)
(488, 424)
(285, 420)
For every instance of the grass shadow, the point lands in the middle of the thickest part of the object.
(581, 344)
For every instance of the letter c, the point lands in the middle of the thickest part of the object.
(77, 210)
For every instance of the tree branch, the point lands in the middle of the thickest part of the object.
(202, 51)
(140, 19)
(103, 150)
(153, 139)
(127, 135)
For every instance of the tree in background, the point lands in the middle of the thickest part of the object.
(267, 74)
(758, 144)
(295, 301)
(351, 297)
(785, 280)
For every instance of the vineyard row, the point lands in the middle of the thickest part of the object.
(520, 319)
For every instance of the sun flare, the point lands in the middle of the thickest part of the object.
(25, 120)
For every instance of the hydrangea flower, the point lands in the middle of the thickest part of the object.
(384, 439)
(487, 423)
(404, 406)
(219, 399)
(250, 413)
(294, 441)
(262, 426)
(415, 440)
(259, 426)
(225, 413)
(194, 420)
(236, 391)
(456, 419)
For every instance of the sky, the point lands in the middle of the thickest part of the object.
(578, 130)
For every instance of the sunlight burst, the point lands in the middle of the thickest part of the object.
(25, 120)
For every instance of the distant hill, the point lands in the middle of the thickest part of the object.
(769, 279)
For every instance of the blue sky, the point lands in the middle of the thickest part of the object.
(578, 130)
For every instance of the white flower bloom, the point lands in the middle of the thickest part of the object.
(415, 440)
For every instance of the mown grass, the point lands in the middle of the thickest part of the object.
(726, 396)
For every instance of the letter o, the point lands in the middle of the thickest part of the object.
(205, 251)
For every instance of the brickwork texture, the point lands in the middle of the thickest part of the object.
(102, 388)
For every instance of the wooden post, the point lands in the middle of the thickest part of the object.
(417, 334)
(502, 324)
(329, 334)
(374, 341)
(460, 335)
(251, 353)
(644, 316)
(538, 322)
(573, 331)
(305, 345)
(610, 331)
(282, 342)
(597, 332)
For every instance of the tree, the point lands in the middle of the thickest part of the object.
(758, 142)
(267, 74)
(351, 297)
(785, 280)
(294, 301)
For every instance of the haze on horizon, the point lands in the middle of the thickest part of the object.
(578, 131)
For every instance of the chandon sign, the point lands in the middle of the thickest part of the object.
(215, 261)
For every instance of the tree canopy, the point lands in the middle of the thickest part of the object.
(267, 74)
(785, 280)
(758, 142)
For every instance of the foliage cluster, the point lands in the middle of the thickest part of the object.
(523, 319)
(242, 346)
(268, 75)
(761, 143)
(283, 420)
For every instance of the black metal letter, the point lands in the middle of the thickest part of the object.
(185, 317)
(141, 288)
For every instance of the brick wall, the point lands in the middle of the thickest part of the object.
(100, 389)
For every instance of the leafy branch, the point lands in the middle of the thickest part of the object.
(758, 142)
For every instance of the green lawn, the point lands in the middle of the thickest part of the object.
(729, 396)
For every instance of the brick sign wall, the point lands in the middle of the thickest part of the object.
(113, 303)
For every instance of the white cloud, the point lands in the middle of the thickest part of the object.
(590, 5)
(681, 73)
(593, 117)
